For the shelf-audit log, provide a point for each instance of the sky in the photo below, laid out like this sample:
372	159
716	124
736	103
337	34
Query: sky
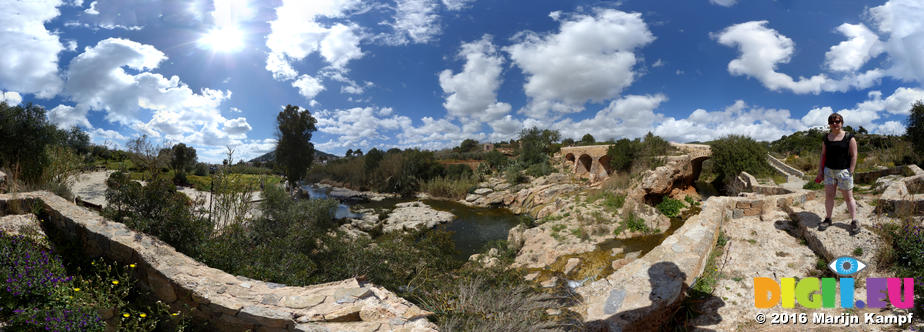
430	73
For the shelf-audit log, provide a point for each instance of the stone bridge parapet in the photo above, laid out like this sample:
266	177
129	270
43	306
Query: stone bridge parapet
591	161
229	303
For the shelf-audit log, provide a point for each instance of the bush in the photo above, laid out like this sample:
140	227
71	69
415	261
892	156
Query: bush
179	179
458	171
622	153
495	159
513	175
201	169
156	209
540	169
670	207
733	154
449	187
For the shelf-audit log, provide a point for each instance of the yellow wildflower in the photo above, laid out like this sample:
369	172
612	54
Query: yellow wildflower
143	315
131	265
125	315
77	289
115	282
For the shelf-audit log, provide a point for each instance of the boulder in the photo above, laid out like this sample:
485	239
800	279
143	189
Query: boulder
483	191
414	216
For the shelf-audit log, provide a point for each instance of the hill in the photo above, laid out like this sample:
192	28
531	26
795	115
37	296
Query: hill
271	156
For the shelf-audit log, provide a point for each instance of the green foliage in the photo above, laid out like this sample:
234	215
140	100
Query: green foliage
294	151
540	169
915	128
459	171
631	222
567	142
811	185
156	209
202	169
670	207
622	153
514	175
800	143
495	159
467	145
733	154
449	187
61	170
372	159
707	282
25	132
183	158
535	145
587	139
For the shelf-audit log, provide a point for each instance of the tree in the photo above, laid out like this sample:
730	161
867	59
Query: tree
588	139
372	160
915	130
349	153
567	142
468	145
358	153
733	154
862	131
622	153
24	133
294	151
183	157
535	144
146	155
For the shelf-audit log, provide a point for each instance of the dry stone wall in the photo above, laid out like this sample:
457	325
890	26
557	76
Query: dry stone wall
229	303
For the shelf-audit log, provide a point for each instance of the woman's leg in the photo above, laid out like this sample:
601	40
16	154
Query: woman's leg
830	191
851	204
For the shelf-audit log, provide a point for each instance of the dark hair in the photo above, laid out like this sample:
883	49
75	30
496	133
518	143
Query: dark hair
834	116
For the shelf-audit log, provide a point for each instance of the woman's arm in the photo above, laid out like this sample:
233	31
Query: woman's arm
853	154
821	165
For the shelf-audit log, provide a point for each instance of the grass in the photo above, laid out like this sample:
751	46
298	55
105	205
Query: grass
448	187
632	223
712	273
858	251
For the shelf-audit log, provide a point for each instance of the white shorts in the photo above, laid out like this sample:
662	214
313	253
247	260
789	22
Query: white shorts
839	177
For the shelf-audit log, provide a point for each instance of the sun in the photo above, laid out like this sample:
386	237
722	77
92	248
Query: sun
227	39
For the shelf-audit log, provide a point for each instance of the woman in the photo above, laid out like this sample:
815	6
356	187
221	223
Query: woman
838	161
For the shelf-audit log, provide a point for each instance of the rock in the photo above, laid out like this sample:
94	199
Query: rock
483	191
501	186
884	182
414	216
571	265
471	198
531	276
549	283
515	237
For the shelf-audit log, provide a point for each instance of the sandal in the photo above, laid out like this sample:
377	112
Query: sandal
824	224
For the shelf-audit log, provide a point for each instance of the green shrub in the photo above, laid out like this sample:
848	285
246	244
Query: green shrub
622	153
540	169
811	185
733	154
448	187
458	171
201	169
156	209
513	175
670	207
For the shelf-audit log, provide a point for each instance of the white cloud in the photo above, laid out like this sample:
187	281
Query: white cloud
762	49
92	10
433	134
308	86
557	81
868	113
657	64
296	33
901	21
360	125
892	128
110	138
65	116
759	123
850	55
415	19
30	60
456	4
630	116
97	81
472	93
237	126
724	3
11	98
234	109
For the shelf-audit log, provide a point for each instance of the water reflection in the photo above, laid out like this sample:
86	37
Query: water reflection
343	210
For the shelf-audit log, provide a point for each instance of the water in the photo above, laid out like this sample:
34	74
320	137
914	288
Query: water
343	210
472	229
475	227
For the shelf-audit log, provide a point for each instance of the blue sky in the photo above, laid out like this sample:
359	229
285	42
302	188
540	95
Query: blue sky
430	73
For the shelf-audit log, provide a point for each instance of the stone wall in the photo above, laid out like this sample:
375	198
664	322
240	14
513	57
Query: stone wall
229	303
783	167
644	293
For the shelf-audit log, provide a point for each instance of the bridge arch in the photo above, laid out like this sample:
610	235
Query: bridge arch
584	164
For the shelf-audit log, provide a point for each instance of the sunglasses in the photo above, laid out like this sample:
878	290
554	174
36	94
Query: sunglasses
833	122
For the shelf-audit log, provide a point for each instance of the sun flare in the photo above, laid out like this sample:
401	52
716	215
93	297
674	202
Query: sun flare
224	39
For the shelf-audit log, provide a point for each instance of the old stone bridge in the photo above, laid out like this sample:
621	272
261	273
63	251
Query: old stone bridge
592	162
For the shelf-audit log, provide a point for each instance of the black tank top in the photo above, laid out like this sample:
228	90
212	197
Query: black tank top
838	152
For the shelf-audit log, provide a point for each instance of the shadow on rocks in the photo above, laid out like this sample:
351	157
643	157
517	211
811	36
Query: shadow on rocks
674	305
